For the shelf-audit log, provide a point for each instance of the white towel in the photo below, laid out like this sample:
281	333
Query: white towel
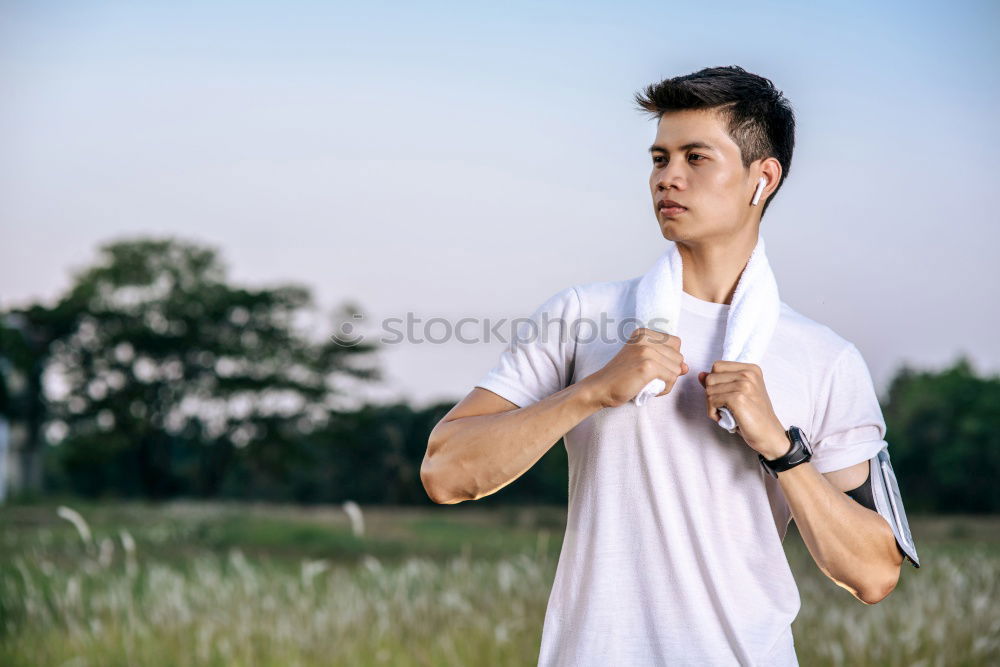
753	314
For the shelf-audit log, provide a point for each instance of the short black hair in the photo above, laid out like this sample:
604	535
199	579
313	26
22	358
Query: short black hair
757	115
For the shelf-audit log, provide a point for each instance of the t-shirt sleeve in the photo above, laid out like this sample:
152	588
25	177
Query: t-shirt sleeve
848	425
539	359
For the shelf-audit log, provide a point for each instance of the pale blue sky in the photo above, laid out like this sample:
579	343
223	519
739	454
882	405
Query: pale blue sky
458	160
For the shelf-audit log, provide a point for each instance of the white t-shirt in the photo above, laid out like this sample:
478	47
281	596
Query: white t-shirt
672	552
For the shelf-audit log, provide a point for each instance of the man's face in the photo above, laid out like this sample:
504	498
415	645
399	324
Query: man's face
697	165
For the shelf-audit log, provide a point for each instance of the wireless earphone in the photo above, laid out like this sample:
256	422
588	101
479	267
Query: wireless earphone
760	188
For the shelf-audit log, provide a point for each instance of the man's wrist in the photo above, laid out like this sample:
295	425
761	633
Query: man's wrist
585	392
781	446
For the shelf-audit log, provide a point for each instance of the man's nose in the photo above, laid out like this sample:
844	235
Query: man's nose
671	175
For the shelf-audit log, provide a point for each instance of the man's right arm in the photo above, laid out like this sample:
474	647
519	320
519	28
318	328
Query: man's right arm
486	442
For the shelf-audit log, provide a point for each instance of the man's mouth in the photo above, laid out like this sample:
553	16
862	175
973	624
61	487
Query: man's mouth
670	208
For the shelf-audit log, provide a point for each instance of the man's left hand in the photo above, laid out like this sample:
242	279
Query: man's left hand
740	388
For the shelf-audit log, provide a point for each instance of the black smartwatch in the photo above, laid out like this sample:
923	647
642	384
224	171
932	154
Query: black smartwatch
800	452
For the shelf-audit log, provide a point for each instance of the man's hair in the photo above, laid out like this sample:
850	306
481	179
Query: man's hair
758	117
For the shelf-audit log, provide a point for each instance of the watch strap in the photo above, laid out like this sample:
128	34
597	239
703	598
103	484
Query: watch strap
798	454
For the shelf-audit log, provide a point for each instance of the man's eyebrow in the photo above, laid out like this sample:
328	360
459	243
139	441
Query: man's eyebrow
693	144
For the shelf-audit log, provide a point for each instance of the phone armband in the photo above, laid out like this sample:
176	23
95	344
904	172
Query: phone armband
880	493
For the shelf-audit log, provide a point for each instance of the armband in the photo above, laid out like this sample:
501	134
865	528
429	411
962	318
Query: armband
863	494
880	493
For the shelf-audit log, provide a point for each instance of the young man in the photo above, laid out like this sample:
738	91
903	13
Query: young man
672	552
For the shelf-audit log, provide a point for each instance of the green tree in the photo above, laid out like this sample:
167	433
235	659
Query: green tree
27	337
170	372
944	433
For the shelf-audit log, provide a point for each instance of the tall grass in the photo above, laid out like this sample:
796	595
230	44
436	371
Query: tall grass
84	603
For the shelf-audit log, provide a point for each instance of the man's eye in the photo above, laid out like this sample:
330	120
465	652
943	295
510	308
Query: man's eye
658	159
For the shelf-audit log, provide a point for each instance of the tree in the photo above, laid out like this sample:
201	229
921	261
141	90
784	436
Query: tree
26	340
946	447
168	371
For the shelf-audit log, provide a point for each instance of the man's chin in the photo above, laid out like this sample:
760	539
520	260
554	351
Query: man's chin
672	229
670	234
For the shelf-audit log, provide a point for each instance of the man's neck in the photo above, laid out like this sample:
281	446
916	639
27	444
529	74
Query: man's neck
712	270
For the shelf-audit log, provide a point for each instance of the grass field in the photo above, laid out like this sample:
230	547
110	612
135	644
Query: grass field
215	584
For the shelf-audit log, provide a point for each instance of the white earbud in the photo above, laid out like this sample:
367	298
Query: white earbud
760	188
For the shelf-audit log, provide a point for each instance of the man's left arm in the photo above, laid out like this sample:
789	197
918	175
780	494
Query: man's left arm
853	545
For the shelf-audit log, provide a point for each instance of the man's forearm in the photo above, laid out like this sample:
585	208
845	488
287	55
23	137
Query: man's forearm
851	544
472	457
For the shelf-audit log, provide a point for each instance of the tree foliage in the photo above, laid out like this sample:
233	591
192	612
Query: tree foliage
169	372
944	438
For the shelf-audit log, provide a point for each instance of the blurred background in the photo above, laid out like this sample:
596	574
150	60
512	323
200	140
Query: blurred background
211	215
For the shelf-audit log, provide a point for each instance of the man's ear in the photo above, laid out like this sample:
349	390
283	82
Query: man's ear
770	169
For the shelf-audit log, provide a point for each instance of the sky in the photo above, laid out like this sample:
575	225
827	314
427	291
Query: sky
467	159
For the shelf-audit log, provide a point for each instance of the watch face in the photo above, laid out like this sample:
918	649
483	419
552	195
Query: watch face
799	435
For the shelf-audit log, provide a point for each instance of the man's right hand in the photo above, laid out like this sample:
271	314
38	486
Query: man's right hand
648	354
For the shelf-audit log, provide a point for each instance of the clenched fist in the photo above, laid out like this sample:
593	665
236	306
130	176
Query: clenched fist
648	354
